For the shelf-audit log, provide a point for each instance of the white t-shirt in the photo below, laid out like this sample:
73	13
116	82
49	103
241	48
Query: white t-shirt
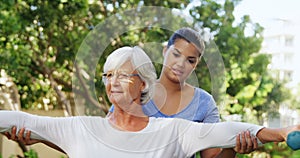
89	136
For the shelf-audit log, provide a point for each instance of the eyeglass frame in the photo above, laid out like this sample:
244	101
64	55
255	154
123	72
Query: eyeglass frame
127	76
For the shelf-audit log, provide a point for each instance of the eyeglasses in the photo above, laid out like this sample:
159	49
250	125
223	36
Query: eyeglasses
120	76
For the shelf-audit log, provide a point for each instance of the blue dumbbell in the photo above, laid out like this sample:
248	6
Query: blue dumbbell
293	140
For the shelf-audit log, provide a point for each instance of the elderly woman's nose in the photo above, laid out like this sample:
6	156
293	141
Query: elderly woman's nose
114	80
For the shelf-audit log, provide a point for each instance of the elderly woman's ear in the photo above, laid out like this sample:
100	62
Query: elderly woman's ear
143	86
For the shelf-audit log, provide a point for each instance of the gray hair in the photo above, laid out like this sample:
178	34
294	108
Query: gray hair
141	63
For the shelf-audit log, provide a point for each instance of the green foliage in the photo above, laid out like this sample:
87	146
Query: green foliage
31	154
34	49
250	89
295	100
39	41
274	150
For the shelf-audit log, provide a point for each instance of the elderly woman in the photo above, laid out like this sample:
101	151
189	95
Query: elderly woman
127	132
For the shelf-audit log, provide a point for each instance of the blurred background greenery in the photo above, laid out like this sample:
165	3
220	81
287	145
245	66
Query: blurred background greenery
39	40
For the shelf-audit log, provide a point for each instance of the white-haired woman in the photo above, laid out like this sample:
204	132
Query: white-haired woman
128	132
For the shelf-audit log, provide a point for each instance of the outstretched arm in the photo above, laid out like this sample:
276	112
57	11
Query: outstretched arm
277	134
223	134
24	137
42	128
245	144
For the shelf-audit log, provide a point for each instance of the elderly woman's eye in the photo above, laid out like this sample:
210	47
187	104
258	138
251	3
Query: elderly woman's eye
109	75
123	76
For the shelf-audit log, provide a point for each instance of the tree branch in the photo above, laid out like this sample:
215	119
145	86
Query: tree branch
86	91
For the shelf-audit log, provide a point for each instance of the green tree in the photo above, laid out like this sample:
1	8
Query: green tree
39	41
249	85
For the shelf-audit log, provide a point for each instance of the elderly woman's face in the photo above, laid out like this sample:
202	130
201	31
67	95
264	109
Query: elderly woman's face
123	85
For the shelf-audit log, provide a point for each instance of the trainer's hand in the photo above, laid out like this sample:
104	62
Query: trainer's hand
245	143
19	137
27	140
